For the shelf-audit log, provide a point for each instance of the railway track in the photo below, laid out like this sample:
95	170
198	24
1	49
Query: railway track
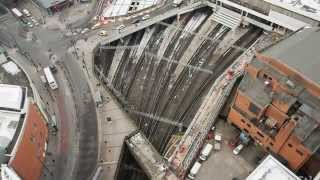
179	47
147	83
224	61
157	74
186	80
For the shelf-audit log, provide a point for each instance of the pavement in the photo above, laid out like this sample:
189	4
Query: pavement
113	123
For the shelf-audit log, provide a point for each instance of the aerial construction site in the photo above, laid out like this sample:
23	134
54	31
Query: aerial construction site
178	77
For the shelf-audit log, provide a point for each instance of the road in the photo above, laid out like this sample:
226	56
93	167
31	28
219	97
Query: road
74	150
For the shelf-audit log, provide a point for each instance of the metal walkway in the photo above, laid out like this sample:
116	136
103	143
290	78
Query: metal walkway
227	18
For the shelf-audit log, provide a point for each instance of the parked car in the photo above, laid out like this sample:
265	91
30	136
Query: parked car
238	149
145	17
84	30
30	25
26	12
194	170
34	21
43	79
24	21
218	137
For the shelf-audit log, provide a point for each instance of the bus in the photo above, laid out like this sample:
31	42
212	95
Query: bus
17	13
50	78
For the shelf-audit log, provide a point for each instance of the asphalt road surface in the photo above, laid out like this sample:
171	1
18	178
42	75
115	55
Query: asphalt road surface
75	153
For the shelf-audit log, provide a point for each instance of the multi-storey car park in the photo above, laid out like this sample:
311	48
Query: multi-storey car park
174	75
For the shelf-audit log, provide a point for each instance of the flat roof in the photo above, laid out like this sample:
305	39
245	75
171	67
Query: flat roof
298	51
7	173
11	96
307	8
271	169
8	126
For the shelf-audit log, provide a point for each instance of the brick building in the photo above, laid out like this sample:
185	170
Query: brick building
278	100
23	134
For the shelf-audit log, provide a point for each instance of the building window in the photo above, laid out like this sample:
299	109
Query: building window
246	130
249	125
32	139
299	152
265	76
254	109
242	121
290	145
271	144
260	134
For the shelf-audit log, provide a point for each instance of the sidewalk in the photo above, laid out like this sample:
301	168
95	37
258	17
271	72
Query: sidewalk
113	123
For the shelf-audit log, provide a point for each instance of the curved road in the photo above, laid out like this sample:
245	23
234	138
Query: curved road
75	148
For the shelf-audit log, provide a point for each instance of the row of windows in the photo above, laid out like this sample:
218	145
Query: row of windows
262	136
249	126
297	150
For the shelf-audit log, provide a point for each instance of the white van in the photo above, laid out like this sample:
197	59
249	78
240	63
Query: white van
194	170
206	152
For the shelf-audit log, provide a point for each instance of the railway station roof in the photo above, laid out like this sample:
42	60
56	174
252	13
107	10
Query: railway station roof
298	51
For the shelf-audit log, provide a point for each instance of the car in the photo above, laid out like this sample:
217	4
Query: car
43	79
24	21
26	12
30	25
194	170
218	137
145	17
103	33
238	149
34	21
84	30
